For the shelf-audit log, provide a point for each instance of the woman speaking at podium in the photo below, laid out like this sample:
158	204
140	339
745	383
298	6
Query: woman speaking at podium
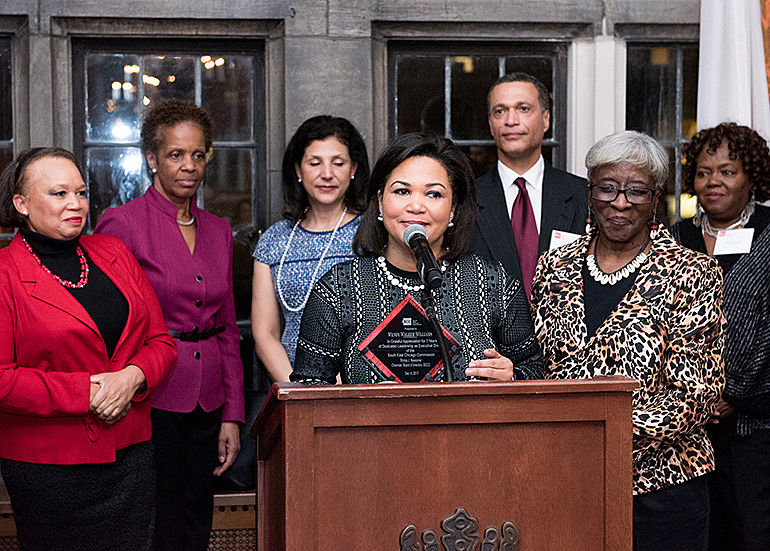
359	310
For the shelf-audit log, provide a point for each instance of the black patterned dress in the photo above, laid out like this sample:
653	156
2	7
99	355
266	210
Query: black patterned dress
477	302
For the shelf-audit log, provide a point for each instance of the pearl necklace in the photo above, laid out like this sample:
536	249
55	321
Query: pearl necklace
611	279
68	284
747	212
315	270
190	223
396	281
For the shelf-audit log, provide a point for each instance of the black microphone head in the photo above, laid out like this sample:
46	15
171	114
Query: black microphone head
413	230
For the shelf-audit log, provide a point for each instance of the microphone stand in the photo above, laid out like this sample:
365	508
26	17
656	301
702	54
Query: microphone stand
430	311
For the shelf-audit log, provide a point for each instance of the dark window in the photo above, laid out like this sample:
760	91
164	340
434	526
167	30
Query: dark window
661	100
115	80
6	115
443	89
114	83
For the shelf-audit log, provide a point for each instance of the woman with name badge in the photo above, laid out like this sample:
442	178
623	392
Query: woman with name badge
728	168
627	300
364	309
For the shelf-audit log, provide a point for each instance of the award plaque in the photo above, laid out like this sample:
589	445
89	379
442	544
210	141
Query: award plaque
403	348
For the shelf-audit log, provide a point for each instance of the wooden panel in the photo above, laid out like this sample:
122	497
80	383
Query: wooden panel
385	478
440	410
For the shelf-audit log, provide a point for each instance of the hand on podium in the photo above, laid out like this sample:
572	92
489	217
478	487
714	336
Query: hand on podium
494	368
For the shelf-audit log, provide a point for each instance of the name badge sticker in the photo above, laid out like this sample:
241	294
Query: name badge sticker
733	241
560	237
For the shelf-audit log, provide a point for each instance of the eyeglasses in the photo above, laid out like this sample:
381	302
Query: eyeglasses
634	195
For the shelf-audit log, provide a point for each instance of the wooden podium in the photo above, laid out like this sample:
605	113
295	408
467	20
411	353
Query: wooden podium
350	467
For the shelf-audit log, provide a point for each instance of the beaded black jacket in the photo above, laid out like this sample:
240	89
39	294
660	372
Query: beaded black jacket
747	307
477	301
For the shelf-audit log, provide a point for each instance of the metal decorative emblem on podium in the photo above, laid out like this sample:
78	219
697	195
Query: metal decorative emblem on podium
402	347
461	533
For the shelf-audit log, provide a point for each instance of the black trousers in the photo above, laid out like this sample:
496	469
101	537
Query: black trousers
185	458
674	518
89	507
740	490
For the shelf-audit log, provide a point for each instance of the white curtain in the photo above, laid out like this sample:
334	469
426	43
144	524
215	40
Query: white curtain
732	83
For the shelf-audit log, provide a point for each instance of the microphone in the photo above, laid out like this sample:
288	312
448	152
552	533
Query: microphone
416	237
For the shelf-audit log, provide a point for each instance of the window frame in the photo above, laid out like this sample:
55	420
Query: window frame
679	141
15	29
142	46
557	50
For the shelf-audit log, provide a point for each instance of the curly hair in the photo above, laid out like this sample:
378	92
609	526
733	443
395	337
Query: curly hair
13	178
170	112
743	144
321	127
372	238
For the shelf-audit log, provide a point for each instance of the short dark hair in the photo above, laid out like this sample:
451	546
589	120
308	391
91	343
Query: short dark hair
170	112
321	127
371	237
13	178
543	97
743	144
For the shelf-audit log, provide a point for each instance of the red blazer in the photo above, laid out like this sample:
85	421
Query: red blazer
49	347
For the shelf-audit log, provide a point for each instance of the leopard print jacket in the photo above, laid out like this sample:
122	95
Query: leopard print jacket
667	332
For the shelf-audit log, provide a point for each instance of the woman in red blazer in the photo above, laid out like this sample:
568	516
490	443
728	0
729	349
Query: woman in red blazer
82	345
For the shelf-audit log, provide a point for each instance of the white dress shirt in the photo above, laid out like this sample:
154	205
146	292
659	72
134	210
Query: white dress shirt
534	178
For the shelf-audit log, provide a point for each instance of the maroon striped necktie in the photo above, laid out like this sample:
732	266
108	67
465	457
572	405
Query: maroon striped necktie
525	232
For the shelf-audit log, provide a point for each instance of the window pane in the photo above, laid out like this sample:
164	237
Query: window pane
471	78
227	188
115	177
169	76
689	91
6	109
651	91
482	157
420	94
113	101
6	156
227	96
667	204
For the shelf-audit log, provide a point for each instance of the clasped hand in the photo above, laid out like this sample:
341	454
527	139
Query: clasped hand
111	393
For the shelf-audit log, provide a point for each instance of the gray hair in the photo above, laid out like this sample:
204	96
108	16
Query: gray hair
633	147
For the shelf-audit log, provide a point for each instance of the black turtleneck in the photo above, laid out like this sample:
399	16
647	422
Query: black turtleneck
100	298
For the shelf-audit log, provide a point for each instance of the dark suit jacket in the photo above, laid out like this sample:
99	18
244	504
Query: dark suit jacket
564	207
50	346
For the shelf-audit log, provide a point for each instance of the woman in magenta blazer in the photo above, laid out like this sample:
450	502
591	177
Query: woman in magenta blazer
186	253
82	345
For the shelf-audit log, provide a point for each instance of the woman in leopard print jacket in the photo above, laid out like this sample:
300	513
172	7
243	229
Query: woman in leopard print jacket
627	300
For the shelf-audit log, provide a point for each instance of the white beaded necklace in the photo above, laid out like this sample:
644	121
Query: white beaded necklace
746	214
396	281
600	276
315	270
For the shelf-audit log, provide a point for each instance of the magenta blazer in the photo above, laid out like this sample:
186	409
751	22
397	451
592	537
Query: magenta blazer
194	290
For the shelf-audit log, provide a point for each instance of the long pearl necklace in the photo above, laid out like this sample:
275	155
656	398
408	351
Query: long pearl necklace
315	270
397	281
82	281
747	213
611	279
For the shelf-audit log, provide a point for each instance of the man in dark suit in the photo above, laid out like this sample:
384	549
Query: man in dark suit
525	205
